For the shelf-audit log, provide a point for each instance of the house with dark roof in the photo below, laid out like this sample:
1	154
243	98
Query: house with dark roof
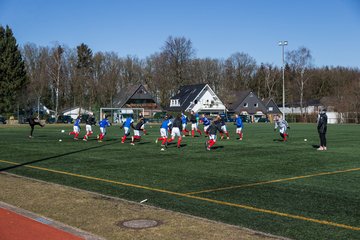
137	96
271	108
198	98
247	103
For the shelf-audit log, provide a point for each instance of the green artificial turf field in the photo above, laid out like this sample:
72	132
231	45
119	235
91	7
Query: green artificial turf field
283	188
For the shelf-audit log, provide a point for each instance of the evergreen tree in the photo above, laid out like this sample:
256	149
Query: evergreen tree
84	69
12	71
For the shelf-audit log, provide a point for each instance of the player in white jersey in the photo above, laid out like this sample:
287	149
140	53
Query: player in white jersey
282	125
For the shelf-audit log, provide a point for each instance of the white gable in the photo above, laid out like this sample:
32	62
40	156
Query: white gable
207	101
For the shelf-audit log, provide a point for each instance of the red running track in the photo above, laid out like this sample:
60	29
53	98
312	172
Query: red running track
14	226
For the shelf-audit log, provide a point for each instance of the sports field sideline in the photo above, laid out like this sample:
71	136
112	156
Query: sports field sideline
283	188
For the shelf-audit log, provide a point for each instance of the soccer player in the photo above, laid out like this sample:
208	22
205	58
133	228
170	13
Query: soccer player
176	130
212	130
165	126
127	125
32	122
223	128
76	128
283	126
239	126
206	122
103	124
197	119
140	116
137	130
194	121
89	122
184	120
322	128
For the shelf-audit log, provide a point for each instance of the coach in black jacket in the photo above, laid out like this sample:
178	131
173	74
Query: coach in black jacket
322	128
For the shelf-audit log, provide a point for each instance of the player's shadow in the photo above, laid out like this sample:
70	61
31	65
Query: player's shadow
315	146
278	140
142	143
53	157
217	147
110	140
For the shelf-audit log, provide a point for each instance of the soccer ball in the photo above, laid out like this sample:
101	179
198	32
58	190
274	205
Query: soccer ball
162	149
63	131
60	140
305	140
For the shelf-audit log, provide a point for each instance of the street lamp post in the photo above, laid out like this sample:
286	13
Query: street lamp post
283	44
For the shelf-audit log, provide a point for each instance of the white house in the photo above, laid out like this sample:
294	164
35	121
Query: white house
197	98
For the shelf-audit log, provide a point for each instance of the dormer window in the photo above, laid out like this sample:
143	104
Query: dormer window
174	103
256	104
246	104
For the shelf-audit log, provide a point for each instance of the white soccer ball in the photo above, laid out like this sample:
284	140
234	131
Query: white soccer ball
162	149
305	140
63	131
60	140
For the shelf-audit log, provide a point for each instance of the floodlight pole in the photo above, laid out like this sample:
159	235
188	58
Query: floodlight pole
283	44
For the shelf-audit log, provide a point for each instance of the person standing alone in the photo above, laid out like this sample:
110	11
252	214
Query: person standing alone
322	128
32	122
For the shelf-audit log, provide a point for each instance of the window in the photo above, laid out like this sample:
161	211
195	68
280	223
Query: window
245	104
271	109
256	104
174	102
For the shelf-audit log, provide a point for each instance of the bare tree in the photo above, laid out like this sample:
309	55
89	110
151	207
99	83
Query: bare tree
300	62
178	53
112	80
54	67
271	78
240	68
160	83
35	63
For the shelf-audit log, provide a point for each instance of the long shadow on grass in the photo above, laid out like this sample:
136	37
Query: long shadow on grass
60	155
217	147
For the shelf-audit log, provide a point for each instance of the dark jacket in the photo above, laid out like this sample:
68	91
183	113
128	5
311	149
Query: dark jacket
91	120
322	123
139	125
193	118
33	121
214	127
177	123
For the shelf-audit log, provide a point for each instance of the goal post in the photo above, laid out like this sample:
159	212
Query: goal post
118	115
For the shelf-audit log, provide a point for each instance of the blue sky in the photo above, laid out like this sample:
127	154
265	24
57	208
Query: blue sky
217	29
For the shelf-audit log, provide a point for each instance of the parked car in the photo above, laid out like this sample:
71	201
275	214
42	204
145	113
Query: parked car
51	120
264	120
65	119
2	120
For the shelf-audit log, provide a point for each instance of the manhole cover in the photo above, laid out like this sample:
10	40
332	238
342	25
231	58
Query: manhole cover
139	223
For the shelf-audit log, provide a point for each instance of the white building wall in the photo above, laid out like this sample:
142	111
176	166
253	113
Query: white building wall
205	103
333	117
